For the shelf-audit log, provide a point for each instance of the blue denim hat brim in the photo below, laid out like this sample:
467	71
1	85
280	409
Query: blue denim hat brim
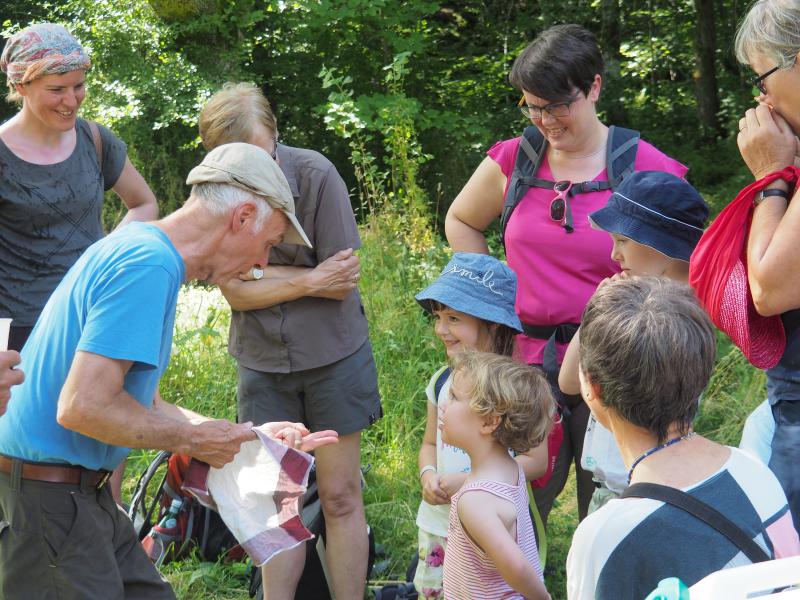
444	294
488	298
672	239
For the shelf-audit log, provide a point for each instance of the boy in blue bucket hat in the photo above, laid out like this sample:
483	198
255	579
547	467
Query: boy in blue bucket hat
655	220
472	304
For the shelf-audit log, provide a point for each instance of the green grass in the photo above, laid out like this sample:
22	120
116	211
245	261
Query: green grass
401	254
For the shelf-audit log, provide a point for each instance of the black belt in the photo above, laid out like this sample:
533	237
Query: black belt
563	333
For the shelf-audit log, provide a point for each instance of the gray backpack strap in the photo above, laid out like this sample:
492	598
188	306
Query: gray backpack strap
530	151
530	155
98	142
621	156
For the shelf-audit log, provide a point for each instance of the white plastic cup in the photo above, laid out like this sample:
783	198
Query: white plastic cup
5	326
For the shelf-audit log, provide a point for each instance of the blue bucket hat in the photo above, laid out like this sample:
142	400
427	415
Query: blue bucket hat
478	285
656	209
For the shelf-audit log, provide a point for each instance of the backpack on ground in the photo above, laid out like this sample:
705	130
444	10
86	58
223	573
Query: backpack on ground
197	526
620	157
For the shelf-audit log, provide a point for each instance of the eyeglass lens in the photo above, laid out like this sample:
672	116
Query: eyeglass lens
557	209
560	109
759	81
561	186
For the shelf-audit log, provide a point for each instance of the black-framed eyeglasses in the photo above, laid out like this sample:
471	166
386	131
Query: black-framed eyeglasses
556	109
558	207
758	81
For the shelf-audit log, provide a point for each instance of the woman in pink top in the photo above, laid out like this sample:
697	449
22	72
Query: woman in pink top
558	263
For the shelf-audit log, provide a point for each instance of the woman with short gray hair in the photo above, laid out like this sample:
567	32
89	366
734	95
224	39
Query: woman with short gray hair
768	40
646	354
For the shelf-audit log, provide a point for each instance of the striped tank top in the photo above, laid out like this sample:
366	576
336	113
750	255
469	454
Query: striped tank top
468	572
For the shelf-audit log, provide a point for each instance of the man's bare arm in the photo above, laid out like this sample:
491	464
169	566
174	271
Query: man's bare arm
94	403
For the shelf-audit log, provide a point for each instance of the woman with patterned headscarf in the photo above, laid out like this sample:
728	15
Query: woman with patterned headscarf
54	169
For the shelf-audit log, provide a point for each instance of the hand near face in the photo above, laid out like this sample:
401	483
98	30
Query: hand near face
766	141
615	277
451	483
9	376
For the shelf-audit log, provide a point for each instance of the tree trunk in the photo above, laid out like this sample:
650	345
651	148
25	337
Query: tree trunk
705	78
610	41
610	35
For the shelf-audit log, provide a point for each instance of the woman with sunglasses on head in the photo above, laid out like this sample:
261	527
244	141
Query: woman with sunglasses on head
55	168
549	243
768	40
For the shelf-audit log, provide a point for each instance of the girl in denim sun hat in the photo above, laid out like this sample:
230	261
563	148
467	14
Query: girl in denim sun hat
472	304
655	220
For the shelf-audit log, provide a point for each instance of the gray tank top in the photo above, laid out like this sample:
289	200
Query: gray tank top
50	214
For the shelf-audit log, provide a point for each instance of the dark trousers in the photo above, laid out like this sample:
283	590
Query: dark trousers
785	459
17	336
70	542
574	423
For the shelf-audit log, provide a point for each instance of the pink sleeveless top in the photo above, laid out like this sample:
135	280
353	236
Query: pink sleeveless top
468	572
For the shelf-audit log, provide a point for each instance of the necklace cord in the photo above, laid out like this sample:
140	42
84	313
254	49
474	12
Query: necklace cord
655	449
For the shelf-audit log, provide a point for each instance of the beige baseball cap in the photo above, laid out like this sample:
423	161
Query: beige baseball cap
251	168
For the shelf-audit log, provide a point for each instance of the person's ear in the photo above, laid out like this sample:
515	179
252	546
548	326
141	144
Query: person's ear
243	216
590	391
490	423
20	88
597	85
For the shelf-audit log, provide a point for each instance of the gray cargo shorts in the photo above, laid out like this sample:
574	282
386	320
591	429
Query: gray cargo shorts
342	396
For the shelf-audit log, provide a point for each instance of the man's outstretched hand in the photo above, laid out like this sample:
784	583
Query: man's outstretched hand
297	436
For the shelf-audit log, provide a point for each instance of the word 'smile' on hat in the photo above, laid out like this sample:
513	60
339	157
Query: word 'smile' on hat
478	285
251	168
656	209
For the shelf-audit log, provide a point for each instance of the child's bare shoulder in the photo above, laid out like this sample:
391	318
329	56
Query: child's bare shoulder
476	503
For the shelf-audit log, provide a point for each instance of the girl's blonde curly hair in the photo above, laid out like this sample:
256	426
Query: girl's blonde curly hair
517	393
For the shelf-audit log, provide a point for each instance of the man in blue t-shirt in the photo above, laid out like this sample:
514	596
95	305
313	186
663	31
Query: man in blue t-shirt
93	363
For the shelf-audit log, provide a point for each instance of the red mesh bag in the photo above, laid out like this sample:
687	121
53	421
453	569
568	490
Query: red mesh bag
718	274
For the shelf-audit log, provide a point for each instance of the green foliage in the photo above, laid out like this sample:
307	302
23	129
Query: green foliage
735	389
433	68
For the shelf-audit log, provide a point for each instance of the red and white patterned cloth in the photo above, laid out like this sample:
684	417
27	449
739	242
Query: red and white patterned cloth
258	495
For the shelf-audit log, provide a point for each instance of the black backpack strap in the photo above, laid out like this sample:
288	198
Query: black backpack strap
530	155
437	387
699	509
621	155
